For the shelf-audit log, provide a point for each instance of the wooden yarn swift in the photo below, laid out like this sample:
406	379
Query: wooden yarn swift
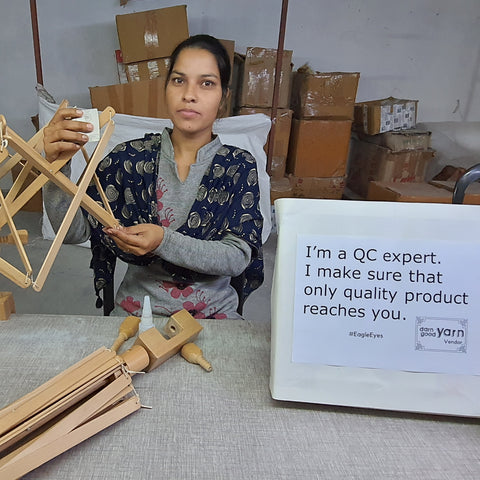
28	155
86	398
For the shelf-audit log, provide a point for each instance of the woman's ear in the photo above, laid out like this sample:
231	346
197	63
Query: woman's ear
222	108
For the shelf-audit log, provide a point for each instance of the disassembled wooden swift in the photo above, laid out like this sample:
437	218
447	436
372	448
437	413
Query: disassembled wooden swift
87	397
27	154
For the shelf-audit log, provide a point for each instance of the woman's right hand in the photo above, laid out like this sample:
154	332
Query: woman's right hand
64	136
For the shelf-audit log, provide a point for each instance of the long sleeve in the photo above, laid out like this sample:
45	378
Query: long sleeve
229	256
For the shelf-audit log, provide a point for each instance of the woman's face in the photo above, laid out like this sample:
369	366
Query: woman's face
194	92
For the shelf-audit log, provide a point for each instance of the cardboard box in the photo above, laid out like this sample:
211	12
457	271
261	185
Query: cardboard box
257	74
369	162
324	95
387	114
158	67
145	98
122	74
230	47
147	70
319	148
472	193
421	192
283	125
280	188
410	139
151	34
314	187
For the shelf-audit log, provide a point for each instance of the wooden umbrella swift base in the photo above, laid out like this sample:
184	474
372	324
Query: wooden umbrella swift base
85	398
88	397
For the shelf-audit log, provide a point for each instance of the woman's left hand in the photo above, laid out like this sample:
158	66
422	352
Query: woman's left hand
137	239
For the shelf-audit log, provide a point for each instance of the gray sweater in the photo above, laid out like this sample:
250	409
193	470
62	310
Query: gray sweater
211	297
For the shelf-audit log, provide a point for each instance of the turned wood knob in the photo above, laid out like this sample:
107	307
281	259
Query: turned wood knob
193	354
127	329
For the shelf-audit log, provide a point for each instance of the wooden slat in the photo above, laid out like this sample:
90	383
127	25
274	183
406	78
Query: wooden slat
16	466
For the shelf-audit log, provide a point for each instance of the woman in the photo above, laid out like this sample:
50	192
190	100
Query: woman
188	205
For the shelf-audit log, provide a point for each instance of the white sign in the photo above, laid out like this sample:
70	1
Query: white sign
377	305
394	304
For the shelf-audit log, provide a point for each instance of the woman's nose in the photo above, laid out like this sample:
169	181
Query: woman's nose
189	93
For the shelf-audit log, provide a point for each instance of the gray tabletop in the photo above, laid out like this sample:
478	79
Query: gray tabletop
224	424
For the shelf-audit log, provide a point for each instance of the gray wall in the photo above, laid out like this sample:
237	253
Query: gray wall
421	49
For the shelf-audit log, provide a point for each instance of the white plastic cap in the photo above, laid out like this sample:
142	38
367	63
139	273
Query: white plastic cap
146	322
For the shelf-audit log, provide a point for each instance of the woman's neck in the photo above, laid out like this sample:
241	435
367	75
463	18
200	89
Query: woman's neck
185	150
188	146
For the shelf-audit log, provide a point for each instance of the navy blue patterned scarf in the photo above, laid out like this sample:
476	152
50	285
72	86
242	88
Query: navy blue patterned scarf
227	201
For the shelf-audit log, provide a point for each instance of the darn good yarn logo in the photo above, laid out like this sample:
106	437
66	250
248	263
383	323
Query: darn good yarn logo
436	334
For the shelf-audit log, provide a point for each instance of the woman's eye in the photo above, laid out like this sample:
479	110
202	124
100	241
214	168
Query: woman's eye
177	80
208	83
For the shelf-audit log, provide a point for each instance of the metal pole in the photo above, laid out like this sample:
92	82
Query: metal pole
276	86
36	41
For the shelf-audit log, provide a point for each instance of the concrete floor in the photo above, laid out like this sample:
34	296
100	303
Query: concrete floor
68	288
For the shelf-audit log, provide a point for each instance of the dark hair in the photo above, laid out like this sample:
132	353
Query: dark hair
212	45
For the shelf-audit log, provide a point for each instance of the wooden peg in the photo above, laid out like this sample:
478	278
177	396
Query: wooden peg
7	305
192	353
128	329
10	239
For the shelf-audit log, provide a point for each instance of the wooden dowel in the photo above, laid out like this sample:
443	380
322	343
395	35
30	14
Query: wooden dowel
72	209
48	169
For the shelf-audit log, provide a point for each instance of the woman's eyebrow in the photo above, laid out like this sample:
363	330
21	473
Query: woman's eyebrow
203	75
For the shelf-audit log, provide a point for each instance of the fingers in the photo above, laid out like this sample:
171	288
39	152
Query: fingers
64	136
65	114
138	239
127	242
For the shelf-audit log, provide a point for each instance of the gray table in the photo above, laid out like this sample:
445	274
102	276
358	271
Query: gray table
224	424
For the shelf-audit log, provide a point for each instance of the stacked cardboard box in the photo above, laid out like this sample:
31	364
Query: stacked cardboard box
257	74
146	41
387	148
283	123
147	70
323	106
400	156
384	115
230	47
420	192
256	78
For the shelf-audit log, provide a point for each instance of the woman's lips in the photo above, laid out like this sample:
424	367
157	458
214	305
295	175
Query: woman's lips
188	113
